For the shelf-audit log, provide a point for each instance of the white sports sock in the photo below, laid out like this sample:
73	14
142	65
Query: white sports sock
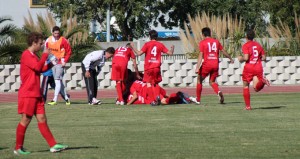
57	89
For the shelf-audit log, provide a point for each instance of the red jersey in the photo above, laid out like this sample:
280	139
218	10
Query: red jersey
153	51
255	52
122	55
30	69
137	86
210	48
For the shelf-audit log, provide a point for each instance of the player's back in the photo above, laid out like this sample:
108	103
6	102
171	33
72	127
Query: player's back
210	48
255	52
153	51
122	55
137	86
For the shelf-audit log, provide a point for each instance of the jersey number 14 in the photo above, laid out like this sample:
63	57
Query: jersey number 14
212	47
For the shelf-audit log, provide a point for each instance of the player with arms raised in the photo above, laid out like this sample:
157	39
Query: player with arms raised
152	75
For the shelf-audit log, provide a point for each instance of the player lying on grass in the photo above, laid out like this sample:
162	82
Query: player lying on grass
139	95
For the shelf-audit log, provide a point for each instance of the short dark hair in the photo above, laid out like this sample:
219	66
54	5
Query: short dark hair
250	34
110	50
206	31
55	28
34	37
153	34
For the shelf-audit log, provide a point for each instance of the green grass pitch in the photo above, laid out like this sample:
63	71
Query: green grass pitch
209	130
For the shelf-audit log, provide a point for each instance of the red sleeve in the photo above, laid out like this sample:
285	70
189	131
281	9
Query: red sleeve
164	49
132	55
201	47
245	49
65	44
144	48
30	61
46	67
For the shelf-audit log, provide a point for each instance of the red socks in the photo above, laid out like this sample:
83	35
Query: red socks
199	91
259	86
246	94
45	131
20	136
215	87
119	91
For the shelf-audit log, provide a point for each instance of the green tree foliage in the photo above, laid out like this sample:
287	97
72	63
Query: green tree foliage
283	10
133	17
11	45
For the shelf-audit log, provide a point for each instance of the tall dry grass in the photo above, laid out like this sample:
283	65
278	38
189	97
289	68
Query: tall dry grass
287	42
229	30
70	28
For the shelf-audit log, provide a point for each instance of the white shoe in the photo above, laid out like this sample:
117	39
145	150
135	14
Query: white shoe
193	99
96	101
117	102
121	103
221	97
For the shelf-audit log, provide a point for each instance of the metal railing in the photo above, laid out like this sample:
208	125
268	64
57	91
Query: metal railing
166	57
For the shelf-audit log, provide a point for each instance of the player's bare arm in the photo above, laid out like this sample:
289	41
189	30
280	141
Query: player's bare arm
243	58
139	53
263	58
227	55
171	51
136	69
134	98
200	57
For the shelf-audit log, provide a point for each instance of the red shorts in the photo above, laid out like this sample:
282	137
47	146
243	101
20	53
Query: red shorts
213	72
118	72
249	73
152	76
31	106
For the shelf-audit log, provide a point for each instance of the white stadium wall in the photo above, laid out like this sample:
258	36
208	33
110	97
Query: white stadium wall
176	73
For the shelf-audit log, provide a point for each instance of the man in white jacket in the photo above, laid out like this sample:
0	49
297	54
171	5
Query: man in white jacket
91	66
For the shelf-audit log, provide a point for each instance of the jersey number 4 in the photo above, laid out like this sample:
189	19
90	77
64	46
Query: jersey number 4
153	51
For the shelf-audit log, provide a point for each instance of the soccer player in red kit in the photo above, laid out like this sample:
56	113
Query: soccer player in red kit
209	53
30	100
254	54
152	75
119	69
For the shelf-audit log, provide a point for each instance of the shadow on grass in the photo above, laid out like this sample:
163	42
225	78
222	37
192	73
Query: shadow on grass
3	148
232	103
74	148
275	107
